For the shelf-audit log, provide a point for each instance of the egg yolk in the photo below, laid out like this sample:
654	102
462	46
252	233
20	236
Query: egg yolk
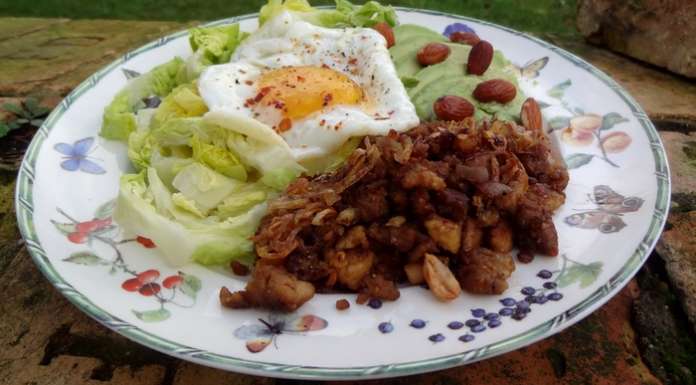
301	91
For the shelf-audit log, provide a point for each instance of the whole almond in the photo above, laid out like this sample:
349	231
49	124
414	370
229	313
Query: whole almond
464	38
450	107
433	53
480	58
495	90
385	30
531	115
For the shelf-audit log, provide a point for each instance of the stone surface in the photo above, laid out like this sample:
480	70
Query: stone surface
46	340
666	341
663	96
678	249
61	53
661	32
681	153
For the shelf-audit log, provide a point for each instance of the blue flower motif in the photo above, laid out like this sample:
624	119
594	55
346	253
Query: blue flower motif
457	27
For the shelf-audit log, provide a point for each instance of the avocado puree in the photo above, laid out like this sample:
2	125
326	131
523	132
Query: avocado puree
425	84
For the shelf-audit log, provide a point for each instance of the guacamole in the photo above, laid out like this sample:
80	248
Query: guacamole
426	84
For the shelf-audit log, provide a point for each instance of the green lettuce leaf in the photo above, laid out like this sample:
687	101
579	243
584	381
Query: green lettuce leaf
346	13
179	200
243	200
168	166
182	102
176	131
259	147
216	44
204	186
212	45
119	116
140	149
218	158
274	7
119	120
368	14
144	208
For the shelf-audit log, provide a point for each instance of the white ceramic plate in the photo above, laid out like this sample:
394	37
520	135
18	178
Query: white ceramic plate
615	209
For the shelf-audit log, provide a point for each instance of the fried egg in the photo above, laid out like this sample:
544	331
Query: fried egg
315	87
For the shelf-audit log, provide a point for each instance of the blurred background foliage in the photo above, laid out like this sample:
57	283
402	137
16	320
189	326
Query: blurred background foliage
535	16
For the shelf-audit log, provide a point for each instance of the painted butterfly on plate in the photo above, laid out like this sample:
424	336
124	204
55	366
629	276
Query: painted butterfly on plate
607	216
76	156
531	69
258	336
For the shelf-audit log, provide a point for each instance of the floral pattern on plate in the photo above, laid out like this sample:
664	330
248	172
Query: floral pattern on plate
101	229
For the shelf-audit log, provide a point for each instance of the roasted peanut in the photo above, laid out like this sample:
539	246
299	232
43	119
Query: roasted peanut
471	236
500	237
396	221
440	279
414	273
420	176
323	216
355	237
346	216
447	234
351	266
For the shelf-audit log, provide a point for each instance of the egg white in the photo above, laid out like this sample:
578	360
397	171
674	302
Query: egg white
286	41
